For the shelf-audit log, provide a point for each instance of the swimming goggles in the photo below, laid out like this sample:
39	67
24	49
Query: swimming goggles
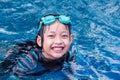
51	19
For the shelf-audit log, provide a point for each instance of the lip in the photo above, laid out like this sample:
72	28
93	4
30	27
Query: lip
57	49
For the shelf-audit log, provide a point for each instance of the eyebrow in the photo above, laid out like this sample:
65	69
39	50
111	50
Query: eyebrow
54	31
51	31
64	32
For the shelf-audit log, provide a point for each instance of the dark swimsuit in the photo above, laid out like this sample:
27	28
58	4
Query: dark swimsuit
39	65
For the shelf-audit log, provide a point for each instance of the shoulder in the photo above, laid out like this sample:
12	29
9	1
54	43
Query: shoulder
26	62
28	59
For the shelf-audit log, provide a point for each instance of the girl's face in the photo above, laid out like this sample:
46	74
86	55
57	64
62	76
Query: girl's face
57	40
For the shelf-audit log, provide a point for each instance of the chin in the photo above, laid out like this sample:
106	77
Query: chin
57	57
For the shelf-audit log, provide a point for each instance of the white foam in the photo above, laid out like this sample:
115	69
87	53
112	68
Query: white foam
6	32
5	0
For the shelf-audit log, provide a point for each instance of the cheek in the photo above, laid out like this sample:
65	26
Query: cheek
47	42
67	42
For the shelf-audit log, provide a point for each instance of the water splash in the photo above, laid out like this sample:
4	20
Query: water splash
3	31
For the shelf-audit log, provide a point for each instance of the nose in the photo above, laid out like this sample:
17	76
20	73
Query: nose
58	40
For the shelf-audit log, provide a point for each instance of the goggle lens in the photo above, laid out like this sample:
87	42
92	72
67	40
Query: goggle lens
51	19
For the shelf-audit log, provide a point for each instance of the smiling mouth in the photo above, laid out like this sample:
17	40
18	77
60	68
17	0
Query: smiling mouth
57	49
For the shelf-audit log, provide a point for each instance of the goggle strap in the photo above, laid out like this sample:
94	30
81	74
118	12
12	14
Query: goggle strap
40	26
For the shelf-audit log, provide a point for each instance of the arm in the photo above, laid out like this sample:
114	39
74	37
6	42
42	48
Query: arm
25	64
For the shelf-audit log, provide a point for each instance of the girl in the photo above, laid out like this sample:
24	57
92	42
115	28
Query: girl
51	48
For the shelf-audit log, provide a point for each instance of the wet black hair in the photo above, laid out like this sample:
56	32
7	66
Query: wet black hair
41	31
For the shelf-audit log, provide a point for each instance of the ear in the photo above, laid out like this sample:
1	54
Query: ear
39	40
71	38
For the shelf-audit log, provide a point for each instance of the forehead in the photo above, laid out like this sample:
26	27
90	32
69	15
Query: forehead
56	27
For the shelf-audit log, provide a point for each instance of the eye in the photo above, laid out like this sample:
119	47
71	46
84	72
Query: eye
51	36
64	36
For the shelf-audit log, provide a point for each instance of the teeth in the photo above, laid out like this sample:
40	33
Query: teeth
57	48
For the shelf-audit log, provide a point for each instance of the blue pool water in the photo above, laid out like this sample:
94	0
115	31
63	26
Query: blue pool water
96	26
